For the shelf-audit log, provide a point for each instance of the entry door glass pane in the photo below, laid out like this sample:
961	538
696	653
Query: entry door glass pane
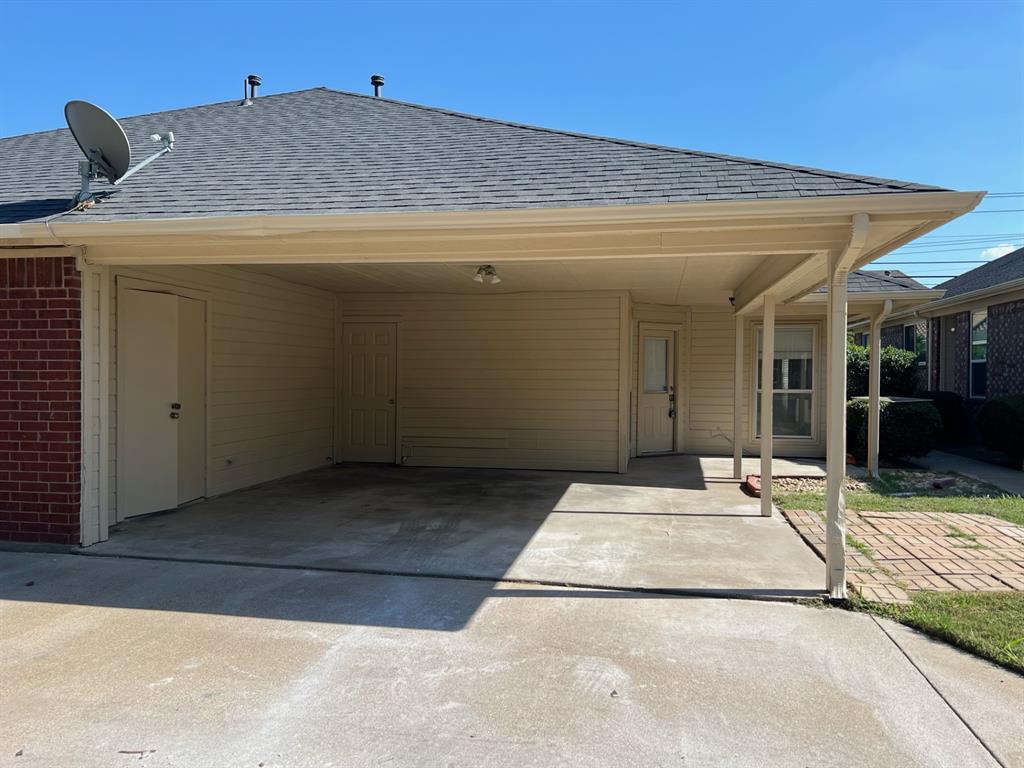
655	365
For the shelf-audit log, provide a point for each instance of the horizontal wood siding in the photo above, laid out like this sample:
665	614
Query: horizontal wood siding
518	381
271	377
711	377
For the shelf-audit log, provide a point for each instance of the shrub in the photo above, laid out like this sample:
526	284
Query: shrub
1001	424
856	371
905	429
898	375
953	412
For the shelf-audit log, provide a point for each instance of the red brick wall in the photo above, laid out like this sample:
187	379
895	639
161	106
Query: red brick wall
40	400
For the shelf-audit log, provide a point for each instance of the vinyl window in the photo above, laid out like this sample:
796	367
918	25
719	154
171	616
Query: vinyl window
793	382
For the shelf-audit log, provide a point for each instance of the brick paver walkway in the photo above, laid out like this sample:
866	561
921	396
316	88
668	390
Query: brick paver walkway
939	551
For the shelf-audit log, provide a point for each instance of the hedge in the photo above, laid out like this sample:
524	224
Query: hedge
906	429
1001	424
898	371
953	412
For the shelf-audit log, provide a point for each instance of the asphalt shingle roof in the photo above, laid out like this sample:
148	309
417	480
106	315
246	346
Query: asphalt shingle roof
1001	270
326	151
879	280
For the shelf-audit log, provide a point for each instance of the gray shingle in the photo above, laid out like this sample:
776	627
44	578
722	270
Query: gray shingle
879	280
1001	270
325	151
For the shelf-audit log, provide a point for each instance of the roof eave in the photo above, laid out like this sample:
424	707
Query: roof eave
81	230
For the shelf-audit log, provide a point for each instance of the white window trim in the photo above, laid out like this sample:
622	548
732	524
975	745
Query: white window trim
970	354
758	328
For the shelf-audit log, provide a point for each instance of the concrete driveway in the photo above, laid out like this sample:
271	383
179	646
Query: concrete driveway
109	662
673	522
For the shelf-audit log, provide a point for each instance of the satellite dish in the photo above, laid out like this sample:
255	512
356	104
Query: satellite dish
105	146
100	137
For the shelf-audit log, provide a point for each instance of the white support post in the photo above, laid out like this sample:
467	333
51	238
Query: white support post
737	404
835	524
874	386
767	402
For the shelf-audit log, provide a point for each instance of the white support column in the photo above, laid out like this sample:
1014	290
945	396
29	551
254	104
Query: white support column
767	401
737	404
874	386
835	524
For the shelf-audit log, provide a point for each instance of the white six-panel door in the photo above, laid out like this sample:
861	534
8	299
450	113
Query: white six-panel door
161	406
369	357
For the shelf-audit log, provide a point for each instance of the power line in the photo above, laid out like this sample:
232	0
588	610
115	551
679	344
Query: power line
905	263
1001	210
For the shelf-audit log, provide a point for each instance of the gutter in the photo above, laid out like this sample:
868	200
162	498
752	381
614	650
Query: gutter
84	227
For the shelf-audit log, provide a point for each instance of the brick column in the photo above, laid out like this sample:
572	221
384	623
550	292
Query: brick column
40	400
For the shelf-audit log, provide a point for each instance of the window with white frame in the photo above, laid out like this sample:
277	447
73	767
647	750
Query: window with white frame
793	382
979	353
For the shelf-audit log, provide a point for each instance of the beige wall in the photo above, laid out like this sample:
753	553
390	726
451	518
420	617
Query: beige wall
507	380
710	374
271	373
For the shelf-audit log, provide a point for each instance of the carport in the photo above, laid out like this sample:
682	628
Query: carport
673	523
471	296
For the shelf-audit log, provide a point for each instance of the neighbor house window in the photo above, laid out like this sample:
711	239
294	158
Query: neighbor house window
915	341
979	353
793	381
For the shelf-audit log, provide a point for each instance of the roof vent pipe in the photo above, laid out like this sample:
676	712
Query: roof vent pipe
376	81
254	83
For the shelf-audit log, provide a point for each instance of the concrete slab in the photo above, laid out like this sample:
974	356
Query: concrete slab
721	466
105	661
663	525
987	696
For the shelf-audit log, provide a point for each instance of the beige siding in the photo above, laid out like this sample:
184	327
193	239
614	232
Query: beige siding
519	381
710	375
710	381
271	373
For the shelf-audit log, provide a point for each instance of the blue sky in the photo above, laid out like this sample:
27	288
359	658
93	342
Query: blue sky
922	91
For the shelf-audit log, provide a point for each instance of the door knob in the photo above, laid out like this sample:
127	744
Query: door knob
175	406
175	415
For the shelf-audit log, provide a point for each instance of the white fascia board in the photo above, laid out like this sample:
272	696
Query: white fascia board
80	229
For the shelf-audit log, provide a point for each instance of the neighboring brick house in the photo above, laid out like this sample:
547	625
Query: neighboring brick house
975	332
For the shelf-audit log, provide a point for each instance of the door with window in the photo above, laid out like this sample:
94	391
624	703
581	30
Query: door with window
369	358
656	399
793	382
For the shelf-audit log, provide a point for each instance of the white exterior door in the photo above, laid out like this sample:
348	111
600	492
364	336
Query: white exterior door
656	398
161	401
369	357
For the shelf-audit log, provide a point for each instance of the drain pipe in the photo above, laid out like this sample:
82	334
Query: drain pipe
875	384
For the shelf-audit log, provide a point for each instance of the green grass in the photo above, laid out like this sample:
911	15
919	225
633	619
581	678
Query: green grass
988	624
880	498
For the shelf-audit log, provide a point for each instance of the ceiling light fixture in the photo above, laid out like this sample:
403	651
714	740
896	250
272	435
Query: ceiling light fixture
487	273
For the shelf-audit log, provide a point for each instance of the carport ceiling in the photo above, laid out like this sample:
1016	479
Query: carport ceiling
691	280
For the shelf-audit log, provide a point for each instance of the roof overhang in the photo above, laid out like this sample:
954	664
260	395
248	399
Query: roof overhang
788	240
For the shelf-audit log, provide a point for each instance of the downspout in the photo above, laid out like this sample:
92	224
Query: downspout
835	526
874	385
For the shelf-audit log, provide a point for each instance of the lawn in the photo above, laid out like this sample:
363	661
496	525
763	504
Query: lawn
989	624
911	492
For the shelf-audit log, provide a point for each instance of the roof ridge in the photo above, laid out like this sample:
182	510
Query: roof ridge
896	183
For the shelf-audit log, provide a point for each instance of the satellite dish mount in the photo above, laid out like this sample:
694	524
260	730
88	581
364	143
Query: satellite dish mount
105	146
